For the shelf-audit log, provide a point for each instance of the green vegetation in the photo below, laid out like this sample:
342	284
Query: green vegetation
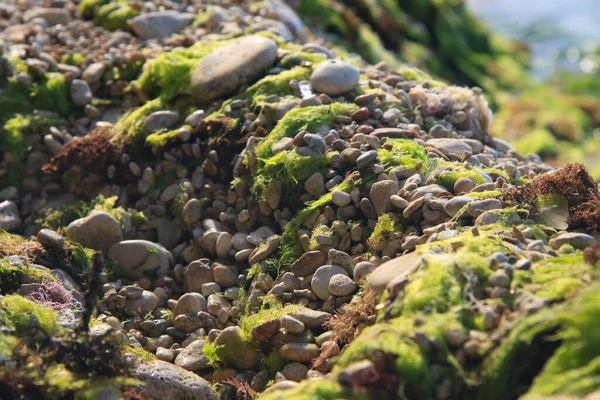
114	15
21	315
53	94
72	59
387	224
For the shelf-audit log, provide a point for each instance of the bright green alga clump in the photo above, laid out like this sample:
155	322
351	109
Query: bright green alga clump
401	153
115	15
539	141
52	94
130	125
271	309
21	315
311	390
73	59
387	224
87	8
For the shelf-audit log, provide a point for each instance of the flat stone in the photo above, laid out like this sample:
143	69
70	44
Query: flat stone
197	274
261	253
308	263
401	266
160	120
334	77
340	198
260	235
450	147
192	357
478	207
265	331
380	194
302	352
98	231
141	305
226	69
93	73
366	159
9	216
158	24
140	258
54	16
166	381
312	319
321	278
454	205
315	185
189	303
577	240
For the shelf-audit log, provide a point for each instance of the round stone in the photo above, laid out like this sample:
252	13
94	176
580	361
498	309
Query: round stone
341	285
189	303
334	77
322	277
98	231
140	258
340	198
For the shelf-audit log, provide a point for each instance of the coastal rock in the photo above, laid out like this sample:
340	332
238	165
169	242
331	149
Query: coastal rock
166	381
9	216
158	24
140	258
98	231
334	77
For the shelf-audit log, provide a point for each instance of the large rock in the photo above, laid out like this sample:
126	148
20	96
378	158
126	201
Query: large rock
98	231
226	69
166	381
158	24
397	268
9	216
140	258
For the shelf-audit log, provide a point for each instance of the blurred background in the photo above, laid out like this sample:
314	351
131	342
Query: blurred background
537	61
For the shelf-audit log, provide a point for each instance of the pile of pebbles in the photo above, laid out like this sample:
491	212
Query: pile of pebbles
199	262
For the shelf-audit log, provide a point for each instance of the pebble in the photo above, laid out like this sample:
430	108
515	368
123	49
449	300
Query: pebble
362	270
312	319
163	380
9	216
340	198
397	268
262	253
454	205
316	142
295	371
93	73
366	159
577	240
224	276
302	352
315	185
226	69
380	195
308	263
334	77
192	357
160	120
190	303
450	147
463	185
54	16
292	325
50	238
142	305
140	258
98	231
321	278
341	285
81	93
158	24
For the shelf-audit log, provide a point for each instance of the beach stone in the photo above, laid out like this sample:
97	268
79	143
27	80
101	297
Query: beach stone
81	93
292	325
195	118
366	159
226	69
308	263
192	357
344	260
295	371
166	381
191	211
478	207
93	73
315	142
189	303
197	274
223	245
160	120
260	235
98	231
397	268
302	352
158	24
321	278
340	198
334	77
140	258
312	319
463	185
265	331
284	143
9	216
380	194
261	253
141	305
341	285
454	205
450	147
315	185
54	16
50	238
224	275
577	240
362	270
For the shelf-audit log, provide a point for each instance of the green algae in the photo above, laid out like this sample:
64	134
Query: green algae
401	153
130	125
271	309
311	390
72	59
52	94
321	230
87	8
22	315
387	224
301	119
539	141
114	15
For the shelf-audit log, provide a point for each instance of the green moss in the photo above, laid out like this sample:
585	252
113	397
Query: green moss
22	315
127	72
448	178
160	139
210	351
130	125
271	309
15	99
297	58
321	230
401	153
115	15
559	277
486	194
387	224
87	8
72	59
53	94
311	390
301	119
142	353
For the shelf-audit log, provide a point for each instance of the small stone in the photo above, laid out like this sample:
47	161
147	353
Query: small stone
226	69
366	159
224	276
292	325
262	253
401	267
315	142
9	216
478	207
362	270
454	205
380	195
260	235
295	371
399	202
577	240
308	263
54	16
265	331
359	374
321	278
223	245
160	120
163	380
340	198
93	73
195	118
341	285
192	211
285	143
98	231
463	185
315	185
302	352
190	303
499	278
334	77
450	147
165	354
140	258
50	238
141	305
81	93
312	319
344	260
192	357
158	24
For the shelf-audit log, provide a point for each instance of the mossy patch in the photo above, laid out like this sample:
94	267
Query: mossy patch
130	125
23	315
387	224
72	59
87	8
115	15
401	153
53	94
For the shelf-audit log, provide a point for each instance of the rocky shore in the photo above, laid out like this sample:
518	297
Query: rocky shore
215	202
